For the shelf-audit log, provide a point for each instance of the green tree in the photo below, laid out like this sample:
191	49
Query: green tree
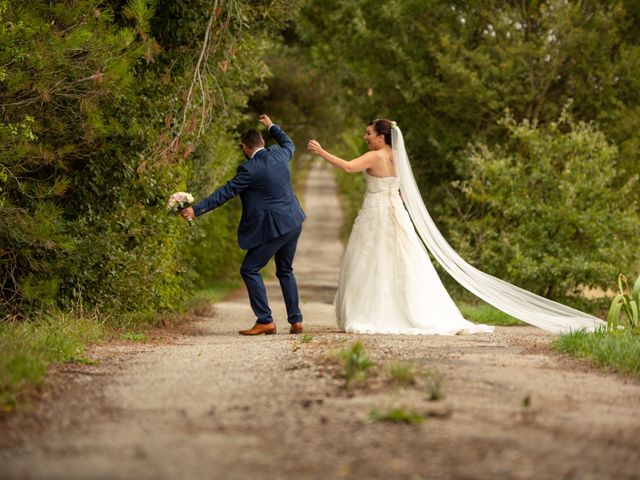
105	106
447	70
544	212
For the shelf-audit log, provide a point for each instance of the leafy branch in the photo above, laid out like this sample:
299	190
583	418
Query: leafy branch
199	99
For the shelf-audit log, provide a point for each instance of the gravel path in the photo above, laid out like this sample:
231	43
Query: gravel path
211	404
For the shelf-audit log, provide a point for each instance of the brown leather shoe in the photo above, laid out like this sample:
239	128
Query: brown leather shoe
296	327
260	328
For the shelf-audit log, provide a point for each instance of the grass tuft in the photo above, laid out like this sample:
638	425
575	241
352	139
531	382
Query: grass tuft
134	336
27	347
434	381
484	313
397	415
84	361
402	373
617	349
356	362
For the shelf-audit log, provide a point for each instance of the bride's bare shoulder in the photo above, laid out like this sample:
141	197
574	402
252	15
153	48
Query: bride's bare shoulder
371	154
370	158
376	156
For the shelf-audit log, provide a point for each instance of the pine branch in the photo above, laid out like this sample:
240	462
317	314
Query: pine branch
199	88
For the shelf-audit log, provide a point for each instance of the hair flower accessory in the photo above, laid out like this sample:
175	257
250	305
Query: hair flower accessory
394	124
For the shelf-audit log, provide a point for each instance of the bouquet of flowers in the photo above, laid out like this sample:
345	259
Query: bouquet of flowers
179	201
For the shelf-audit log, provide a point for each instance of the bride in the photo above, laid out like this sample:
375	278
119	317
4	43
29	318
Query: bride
387	283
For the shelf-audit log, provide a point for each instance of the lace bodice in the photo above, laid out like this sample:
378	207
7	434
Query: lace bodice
381	184
381	192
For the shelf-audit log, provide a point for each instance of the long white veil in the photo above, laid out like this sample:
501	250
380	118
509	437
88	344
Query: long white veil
517	302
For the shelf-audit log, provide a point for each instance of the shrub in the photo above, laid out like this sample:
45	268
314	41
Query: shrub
547	211
106	109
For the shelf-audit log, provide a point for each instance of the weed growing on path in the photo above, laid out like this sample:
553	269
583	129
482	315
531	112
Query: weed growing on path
84	361
134	337
356	362
306	338
528	413
397	415
402	373
434	380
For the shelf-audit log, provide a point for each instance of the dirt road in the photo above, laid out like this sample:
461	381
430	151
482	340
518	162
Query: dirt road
211	404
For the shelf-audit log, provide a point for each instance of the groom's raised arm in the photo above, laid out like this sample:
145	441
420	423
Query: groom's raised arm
225	193
283	139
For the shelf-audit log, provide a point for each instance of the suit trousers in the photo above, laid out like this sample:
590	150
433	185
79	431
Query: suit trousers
284	249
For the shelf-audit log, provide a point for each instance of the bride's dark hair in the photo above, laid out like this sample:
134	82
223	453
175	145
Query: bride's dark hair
382	126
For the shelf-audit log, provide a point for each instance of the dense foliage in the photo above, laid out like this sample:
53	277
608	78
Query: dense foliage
543	210
447	70
105	106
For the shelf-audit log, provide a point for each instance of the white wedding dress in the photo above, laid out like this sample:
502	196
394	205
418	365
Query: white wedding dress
387	283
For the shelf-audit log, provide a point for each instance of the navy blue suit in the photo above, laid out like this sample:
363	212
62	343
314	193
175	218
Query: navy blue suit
271	222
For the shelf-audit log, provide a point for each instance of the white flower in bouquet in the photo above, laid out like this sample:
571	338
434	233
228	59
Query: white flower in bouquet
179	201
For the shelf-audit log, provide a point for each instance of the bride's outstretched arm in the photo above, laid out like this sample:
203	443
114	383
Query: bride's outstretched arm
356	165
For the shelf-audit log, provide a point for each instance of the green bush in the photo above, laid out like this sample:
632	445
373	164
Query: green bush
108	107
547	210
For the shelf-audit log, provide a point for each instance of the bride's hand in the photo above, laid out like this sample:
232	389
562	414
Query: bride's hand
314	146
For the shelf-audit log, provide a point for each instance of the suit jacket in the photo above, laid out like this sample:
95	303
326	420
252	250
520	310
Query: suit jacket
269	206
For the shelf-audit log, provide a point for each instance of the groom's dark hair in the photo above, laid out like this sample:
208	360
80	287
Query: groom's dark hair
252	139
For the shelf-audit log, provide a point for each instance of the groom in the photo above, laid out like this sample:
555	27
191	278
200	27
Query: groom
270	225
